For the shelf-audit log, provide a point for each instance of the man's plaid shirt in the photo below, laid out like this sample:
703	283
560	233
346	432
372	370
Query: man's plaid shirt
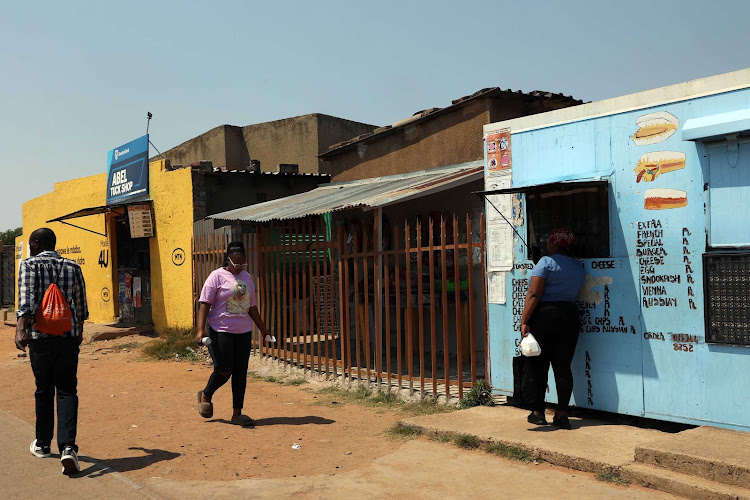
37	273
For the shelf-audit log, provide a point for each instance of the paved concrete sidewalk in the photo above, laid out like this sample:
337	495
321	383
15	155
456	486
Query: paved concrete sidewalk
708	452
24	476
591	446
703	463
417	470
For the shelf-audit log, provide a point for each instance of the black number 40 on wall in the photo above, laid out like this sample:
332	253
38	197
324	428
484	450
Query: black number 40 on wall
104	258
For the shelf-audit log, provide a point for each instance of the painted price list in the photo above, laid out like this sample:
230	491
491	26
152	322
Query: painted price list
141	223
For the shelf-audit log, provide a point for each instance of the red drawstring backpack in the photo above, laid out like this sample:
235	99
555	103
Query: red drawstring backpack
54	316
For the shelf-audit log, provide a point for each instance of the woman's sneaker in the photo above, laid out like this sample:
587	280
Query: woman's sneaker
536	419
562	423
39	451
69	459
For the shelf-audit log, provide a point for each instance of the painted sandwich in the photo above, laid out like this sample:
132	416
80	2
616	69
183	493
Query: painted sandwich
654	128
651	165
664	198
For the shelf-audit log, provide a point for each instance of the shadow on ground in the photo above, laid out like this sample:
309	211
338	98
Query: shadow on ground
574	423
587	417
102	467
307	420
310	419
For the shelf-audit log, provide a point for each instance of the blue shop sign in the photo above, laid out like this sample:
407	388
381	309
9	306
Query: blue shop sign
127	172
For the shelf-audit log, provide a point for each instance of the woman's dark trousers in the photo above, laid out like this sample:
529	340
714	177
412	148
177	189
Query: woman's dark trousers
555	325
230	353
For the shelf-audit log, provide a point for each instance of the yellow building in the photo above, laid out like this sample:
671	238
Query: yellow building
150	279
96	236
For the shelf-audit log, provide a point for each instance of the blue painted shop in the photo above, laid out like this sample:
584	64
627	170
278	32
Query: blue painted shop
656	186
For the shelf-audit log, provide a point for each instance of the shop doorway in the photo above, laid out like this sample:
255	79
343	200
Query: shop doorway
133	275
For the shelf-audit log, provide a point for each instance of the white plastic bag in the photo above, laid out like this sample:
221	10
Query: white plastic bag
530	347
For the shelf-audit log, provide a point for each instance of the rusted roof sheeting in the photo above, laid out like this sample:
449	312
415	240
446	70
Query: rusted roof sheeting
370	193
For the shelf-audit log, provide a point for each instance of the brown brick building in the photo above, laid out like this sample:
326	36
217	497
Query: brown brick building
435	137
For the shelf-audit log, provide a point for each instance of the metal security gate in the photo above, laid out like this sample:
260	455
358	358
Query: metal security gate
7	275
410	316
416	310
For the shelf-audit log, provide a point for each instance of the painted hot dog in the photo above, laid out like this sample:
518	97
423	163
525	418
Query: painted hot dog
651	165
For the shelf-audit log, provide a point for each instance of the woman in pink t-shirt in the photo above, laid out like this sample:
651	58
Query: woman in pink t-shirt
228	304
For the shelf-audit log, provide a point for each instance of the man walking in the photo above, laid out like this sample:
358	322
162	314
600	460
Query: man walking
53	349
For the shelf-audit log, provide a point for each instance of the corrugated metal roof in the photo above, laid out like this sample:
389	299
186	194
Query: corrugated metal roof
371	193
217	170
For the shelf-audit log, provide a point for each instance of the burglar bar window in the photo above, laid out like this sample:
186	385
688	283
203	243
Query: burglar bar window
584	209
727	295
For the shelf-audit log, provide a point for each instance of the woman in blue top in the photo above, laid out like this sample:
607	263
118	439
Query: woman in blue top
551	314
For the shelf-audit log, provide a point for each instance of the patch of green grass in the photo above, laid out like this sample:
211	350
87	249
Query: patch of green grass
469	442
384	400
262	378
331	389
360	394
479	395
336	395
427	406
403	432
510	452
609	476
466	441
128	346
176	344
440	437
296	381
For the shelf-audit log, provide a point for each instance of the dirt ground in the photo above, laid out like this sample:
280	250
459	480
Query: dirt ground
140	418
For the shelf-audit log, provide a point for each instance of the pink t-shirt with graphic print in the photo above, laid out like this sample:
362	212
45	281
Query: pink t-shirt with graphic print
231	298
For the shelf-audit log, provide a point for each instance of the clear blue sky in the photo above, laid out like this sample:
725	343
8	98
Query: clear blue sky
78	77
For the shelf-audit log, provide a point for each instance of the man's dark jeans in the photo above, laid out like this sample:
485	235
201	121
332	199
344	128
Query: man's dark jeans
54	361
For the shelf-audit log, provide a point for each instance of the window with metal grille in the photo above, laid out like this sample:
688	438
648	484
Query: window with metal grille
584	208
726	286
261	197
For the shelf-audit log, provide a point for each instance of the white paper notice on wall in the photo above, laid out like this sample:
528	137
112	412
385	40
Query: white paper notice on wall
497	203
499	246
496	288
499	232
